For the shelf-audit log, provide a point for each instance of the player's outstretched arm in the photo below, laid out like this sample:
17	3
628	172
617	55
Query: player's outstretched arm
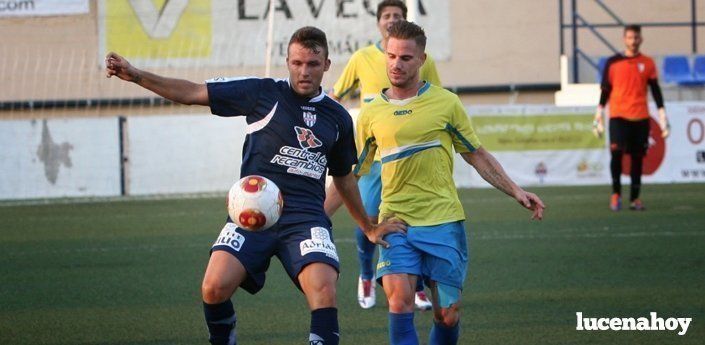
490	170
177	90
350	194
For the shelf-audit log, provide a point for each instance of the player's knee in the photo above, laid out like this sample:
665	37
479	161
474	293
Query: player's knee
321	295
401	304
447	317
214	291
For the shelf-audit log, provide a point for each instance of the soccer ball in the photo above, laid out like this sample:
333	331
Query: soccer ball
255	203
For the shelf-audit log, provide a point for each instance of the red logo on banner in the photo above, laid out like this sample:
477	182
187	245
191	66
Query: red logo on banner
654	155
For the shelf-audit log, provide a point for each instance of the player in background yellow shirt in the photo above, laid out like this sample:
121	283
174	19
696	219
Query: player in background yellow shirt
416	127
366	70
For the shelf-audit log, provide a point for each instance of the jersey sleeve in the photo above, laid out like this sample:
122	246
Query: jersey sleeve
348	80
653	72
429	72
343	154
366	144
461	130
233	96
606	84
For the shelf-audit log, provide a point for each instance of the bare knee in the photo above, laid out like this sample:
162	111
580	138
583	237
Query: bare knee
215	291
401	304
447	317
322	295
318	284
400	289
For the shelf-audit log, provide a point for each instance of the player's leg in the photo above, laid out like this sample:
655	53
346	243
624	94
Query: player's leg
400	289
318	282
309	256
444	264
617	137
639	143
223	275
370	186
446	314
398	268
238	258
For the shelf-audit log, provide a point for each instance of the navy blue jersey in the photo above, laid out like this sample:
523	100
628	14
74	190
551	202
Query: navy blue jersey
291	140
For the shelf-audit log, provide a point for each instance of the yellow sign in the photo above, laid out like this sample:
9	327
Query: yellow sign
159	29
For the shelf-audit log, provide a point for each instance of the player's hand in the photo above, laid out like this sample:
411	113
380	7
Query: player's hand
598	126
663	123
378	231
116	65
532	202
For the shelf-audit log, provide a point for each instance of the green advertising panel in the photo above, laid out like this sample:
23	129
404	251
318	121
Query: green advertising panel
536	132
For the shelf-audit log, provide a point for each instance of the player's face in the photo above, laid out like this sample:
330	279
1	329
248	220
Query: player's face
389	16
404	58
632	41
306	67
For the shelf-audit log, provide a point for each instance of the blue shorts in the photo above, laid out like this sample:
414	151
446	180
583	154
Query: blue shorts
370	186
438	253
295	245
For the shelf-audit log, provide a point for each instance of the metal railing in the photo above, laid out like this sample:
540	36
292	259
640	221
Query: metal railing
578	22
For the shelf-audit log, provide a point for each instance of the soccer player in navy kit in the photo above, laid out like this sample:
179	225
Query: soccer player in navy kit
295	132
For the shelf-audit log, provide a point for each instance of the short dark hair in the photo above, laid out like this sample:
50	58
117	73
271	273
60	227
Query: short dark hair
633	27
404	30
312	38
391	3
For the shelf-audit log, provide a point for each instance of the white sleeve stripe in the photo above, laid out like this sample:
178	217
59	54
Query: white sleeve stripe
256	126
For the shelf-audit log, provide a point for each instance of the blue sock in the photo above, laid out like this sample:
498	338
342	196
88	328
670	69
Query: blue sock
221	320
365	253
442	335
401	329
324	327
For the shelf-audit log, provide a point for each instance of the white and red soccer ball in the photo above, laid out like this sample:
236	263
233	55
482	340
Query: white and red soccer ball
254	203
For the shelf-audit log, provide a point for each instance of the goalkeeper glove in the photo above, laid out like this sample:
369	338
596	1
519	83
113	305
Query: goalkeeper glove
598	127
663	123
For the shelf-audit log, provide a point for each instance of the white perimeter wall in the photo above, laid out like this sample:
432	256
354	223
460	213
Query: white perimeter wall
202	153
184	154
59	158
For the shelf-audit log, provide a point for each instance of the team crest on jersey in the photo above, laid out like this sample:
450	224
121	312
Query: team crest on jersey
641	67
306	138
309	118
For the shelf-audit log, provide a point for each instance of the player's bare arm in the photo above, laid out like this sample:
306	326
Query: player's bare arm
489	168
333	200
177	90
350	194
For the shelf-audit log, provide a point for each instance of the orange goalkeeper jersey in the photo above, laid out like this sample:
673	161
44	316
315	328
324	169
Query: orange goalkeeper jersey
624	84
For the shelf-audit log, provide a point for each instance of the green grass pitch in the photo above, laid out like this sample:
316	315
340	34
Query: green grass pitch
129	272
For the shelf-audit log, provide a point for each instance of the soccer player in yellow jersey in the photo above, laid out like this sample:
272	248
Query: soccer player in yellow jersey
416	126
366	69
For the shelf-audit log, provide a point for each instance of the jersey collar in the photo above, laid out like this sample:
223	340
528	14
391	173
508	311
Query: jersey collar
378	44
426	85
318	98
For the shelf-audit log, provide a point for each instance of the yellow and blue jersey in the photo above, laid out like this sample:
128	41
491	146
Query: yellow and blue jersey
416	138
367	69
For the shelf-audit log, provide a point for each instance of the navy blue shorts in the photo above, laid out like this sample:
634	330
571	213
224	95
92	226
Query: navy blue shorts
295	245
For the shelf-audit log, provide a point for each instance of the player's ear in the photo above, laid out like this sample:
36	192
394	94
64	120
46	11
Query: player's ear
326	66
423	58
